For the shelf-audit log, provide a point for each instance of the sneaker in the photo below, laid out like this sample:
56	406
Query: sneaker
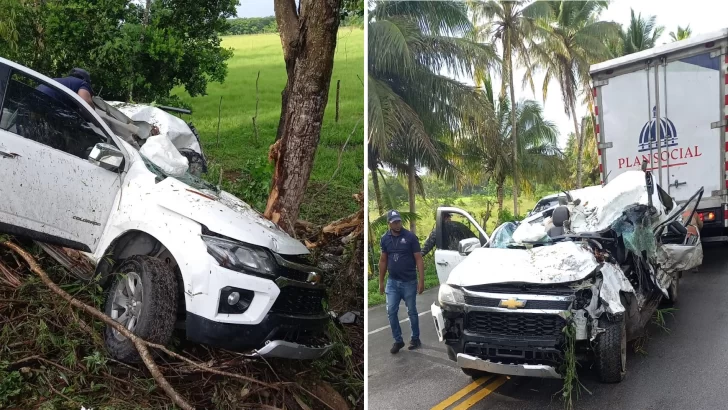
396	347
414	344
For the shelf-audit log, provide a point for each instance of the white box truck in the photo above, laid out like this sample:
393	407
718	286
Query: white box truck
678	92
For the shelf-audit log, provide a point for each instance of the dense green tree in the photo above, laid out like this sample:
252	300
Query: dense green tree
131	55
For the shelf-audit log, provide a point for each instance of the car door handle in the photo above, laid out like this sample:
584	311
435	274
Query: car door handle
8	154
442	263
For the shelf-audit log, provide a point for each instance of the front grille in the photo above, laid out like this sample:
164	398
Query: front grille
295	274
300	301
517	325
530	289
530	304
515	355
292	274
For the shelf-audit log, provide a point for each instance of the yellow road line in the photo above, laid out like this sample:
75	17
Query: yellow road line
462	393
482	393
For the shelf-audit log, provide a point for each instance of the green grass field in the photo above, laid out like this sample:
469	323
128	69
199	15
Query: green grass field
426	208
243	160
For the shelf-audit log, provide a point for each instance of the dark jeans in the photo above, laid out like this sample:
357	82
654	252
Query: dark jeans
396	291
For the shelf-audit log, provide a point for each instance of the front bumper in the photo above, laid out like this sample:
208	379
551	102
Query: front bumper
529	370
289	350
277	335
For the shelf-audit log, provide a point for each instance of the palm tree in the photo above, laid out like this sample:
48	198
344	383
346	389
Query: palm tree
590	160
641	34
510	23
487	154
573	38
411	103
682	33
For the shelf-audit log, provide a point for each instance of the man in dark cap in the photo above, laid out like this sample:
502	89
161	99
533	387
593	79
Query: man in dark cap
454	232
78	80
401	256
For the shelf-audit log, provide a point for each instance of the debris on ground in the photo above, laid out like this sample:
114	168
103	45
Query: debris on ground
52	352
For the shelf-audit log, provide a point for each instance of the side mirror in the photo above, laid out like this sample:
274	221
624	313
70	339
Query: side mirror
106	156
468	245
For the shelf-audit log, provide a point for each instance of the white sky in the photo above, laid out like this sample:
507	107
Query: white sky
704	16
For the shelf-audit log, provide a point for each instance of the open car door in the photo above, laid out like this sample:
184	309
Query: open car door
60	170
447	255
678	239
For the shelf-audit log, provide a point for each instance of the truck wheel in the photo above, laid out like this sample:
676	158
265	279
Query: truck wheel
611	350
475	374
143	298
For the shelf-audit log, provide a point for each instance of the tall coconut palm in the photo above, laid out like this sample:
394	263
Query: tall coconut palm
487	154
590	160
573	38
510	24
641	34
411	102
682	33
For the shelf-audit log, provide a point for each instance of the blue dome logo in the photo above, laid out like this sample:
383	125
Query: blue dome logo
668	133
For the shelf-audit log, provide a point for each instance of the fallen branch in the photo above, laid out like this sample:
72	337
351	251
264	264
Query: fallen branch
135	339
8	277
141	345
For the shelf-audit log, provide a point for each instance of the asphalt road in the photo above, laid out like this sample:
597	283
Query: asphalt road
686	368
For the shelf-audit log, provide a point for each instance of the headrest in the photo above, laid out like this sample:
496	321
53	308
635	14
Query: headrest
560	215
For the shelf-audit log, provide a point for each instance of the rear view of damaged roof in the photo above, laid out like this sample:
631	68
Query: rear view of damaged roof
660	51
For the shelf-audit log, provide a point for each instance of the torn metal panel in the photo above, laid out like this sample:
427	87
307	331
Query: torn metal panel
674	258
613	282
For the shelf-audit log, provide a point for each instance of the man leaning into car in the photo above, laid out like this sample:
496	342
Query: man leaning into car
401	256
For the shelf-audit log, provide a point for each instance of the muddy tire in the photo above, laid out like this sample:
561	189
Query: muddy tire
611	350
475	374
143	298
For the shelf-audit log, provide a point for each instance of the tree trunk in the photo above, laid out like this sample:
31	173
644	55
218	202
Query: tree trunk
514	130
377	191
309	42
411	186
373	162
580	147
147	7
500	195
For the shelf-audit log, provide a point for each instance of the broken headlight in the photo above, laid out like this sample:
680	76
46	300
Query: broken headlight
583	298
450	296
239	256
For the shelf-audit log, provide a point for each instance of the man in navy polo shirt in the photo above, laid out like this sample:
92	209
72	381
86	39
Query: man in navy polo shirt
402	257
78	80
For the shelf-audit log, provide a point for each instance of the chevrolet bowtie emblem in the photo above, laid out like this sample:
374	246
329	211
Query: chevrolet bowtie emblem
512	303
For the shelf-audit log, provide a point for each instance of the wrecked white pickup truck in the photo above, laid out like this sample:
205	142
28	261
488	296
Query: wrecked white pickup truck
176	251
600	264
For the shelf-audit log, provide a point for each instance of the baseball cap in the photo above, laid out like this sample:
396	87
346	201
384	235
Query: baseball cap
393	216
80	73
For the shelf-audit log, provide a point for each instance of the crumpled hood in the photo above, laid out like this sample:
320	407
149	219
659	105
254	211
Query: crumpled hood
559	263
228	216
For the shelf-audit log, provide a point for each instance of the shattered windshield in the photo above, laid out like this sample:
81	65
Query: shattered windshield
187	178
503	235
